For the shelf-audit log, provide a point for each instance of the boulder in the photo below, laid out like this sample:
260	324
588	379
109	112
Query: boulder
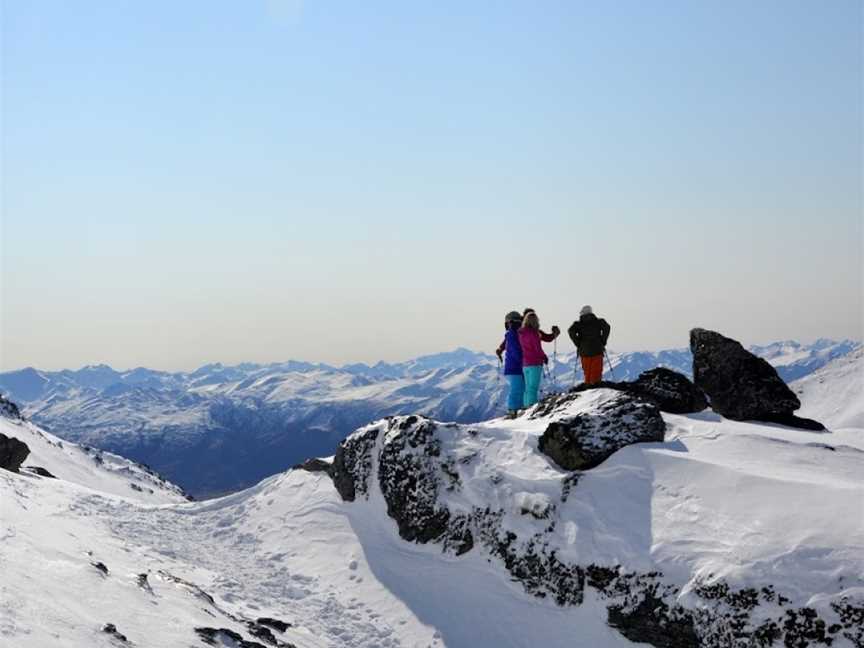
12	453
669	390
740	385
586	440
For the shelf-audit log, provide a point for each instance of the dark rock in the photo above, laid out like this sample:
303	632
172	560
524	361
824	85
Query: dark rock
353	462
111	629
586	440
263	633
220	637
13	452
9	409
851	620
144	583
409	481
652	621
740	385
101	567
276	624
39	470
669	390
314	465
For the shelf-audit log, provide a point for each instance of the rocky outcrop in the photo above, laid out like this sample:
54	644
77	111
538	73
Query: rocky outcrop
740	385
587	439
13	452
39	470
9	409
111	629
353	463
439	487
669	390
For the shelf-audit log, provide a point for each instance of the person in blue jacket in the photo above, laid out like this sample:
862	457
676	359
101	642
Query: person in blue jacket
512	363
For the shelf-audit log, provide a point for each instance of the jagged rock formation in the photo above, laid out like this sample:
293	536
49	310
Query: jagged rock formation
669	390
12	453
420	468
587	439
741	385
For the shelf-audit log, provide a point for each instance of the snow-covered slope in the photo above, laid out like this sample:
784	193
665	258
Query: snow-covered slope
221	428
835	393
723	530
88	467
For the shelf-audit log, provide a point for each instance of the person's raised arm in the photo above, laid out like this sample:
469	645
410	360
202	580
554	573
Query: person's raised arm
548	337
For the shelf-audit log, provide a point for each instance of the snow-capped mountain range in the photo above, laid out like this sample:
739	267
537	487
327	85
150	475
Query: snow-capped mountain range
720	534
221	428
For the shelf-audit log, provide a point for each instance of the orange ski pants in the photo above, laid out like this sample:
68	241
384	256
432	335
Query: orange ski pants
592	366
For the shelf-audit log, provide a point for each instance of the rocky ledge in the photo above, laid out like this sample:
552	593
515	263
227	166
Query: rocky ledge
428	474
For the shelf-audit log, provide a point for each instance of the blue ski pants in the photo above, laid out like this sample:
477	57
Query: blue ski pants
516	394
533	374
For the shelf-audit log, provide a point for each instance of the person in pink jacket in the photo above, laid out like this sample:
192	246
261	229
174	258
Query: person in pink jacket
533	358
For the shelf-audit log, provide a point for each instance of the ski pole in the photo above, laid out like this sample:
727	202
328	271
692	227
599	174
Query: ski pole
610	364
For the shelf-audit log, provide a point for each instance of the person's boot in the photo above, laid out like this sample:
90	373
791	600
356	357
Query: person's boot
512	414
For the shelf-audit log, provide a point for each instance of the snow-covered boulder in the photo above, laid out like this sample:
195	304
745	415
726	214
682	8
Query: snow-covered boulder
741	385
587	439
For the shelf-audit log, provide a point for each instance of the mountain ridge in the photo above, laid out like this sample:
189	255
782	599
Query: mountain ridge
220	428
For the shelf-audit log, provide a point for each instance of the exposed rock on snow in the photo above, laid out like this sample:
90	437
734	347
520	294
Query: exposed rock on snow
419	468
39	470
741	385
9	409
12	453
111	629
589	438
353	463
669	390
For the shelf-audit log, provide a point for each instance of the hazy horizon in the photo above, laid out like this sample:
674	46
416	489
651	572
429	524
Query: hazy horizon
565	348
200	182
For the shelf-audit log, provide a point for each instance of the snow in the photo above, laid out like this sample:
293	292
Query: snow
752	504
835	393
90	468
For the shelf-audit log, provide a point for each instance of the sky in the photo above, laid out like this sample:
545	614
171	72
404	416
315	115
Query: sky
335	181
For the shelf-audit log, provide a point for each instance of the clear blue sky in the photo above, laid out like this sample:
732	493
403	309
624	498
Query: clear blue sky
185	182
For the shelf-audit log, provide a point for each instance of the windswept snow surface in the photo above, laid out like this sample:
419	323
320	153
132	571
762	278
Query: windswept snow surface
834	394
751	504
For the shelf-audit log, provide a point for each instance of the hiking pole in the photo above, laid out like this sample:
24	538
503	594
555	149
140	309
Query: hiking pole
498	381
610	364
555	365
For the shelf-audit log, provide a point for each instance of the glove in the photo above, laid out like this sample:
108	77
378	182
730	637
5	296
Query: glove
556	331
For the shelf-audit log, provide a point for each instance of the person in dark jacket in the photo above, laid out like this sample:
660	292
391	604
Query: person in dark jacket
512	362
590	334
